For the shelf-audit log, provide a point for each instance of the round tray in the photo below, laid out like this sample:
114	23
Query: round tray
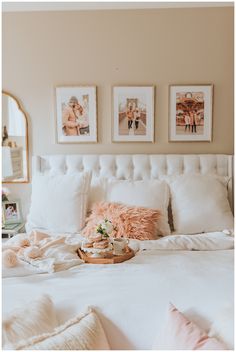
108	258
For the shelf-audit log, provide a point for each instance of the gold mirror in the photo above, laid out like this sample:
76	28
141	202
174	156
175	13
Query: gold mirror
15	164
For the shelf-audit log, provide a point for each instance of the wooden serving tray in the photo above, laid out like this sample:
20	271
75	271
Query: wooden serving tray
109	258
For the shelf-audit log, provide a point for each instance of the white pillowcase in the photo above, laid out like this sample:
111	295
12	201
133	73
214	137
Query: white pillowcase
200	204
152	194
97	191
59	202
83	332
37	317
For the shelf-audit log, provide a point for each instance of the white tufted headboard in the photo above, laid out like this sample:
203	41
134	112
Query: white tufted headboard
139	167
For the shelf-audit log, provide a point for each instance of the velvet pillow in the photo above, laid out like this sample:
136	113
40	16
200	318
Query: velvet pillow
178	333
130	222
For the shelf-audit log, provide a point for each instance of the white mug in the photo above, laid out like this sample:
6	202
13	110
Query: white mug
119	245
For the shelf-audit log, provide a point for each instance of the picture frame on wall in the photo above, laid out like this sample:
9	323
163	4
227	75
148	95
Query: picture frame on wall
133	114
11	212
190	113
76	114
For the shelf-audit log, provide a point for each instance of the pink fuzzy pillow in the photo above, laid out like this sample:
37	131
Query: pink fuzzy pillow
130	222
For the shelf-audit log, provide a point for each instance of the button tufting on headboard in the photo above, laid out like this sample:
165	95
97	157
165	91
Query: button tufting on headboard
137	166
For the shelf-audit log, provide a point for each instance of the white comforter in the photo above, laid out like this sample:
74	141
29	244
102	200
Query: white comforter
131	298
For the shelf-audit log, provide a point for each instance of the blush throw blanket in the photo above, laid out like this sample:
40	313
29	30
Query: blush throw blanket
44	253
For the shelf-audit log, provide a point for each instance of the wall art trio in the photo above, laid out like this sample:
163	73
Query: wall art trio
190	113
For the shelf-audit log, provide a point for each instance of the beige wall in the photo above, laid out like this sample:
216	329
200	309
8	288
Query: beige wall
5	112
105	48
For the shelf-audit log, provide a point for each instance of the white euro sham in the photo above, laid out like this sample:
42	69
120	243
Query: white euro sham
145	193
200	204
59	202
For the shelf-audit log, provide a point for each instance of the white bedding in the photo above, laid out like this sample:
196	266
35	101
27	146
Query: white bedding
131	298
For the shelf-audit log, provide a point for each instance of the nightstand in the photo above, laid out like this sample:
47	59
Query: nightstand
10	230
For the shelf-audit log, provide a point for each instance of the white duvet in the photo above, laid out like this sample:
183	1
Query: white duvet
194	272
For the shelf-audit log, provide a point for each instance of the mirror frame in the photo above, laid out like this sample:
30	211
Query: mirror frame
26	136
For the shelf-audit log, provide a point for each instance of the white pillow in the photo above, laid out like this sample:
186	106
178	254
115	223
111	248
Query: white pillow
200	204
59	202
37	317
97	191
152	194
83	332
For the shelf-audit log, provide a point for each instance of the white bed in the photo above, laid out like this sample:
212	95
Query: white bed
132	298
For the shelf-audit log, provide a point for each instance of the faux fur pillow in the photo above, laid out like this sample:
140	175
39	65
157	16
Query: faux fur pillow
36	318
83	332
130	222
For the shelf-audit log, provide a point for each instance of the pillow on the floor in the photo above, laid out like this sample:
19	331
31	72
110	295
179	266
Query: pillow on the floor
178	333
200	204
130	222
37	317
83	332
153	194
59	202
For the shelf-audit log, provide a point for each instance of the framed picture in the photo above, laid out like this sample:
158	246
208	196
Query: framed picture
133	114
76	114
190	112
11	212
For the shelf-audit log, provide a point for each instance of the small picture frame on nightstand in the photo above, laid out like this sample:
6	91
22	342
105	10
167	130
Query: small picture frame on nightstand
11	211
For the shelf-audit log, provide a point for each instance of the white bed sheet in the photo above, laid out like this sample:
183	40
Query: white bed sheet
131	298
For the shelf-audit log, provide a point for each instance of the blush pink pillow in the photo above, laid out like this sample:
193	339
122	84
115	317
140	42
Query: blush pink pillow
179	333
131	222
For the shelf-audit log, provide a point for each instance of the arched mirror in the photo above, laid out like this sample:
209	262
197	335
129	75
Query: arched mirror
15	164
